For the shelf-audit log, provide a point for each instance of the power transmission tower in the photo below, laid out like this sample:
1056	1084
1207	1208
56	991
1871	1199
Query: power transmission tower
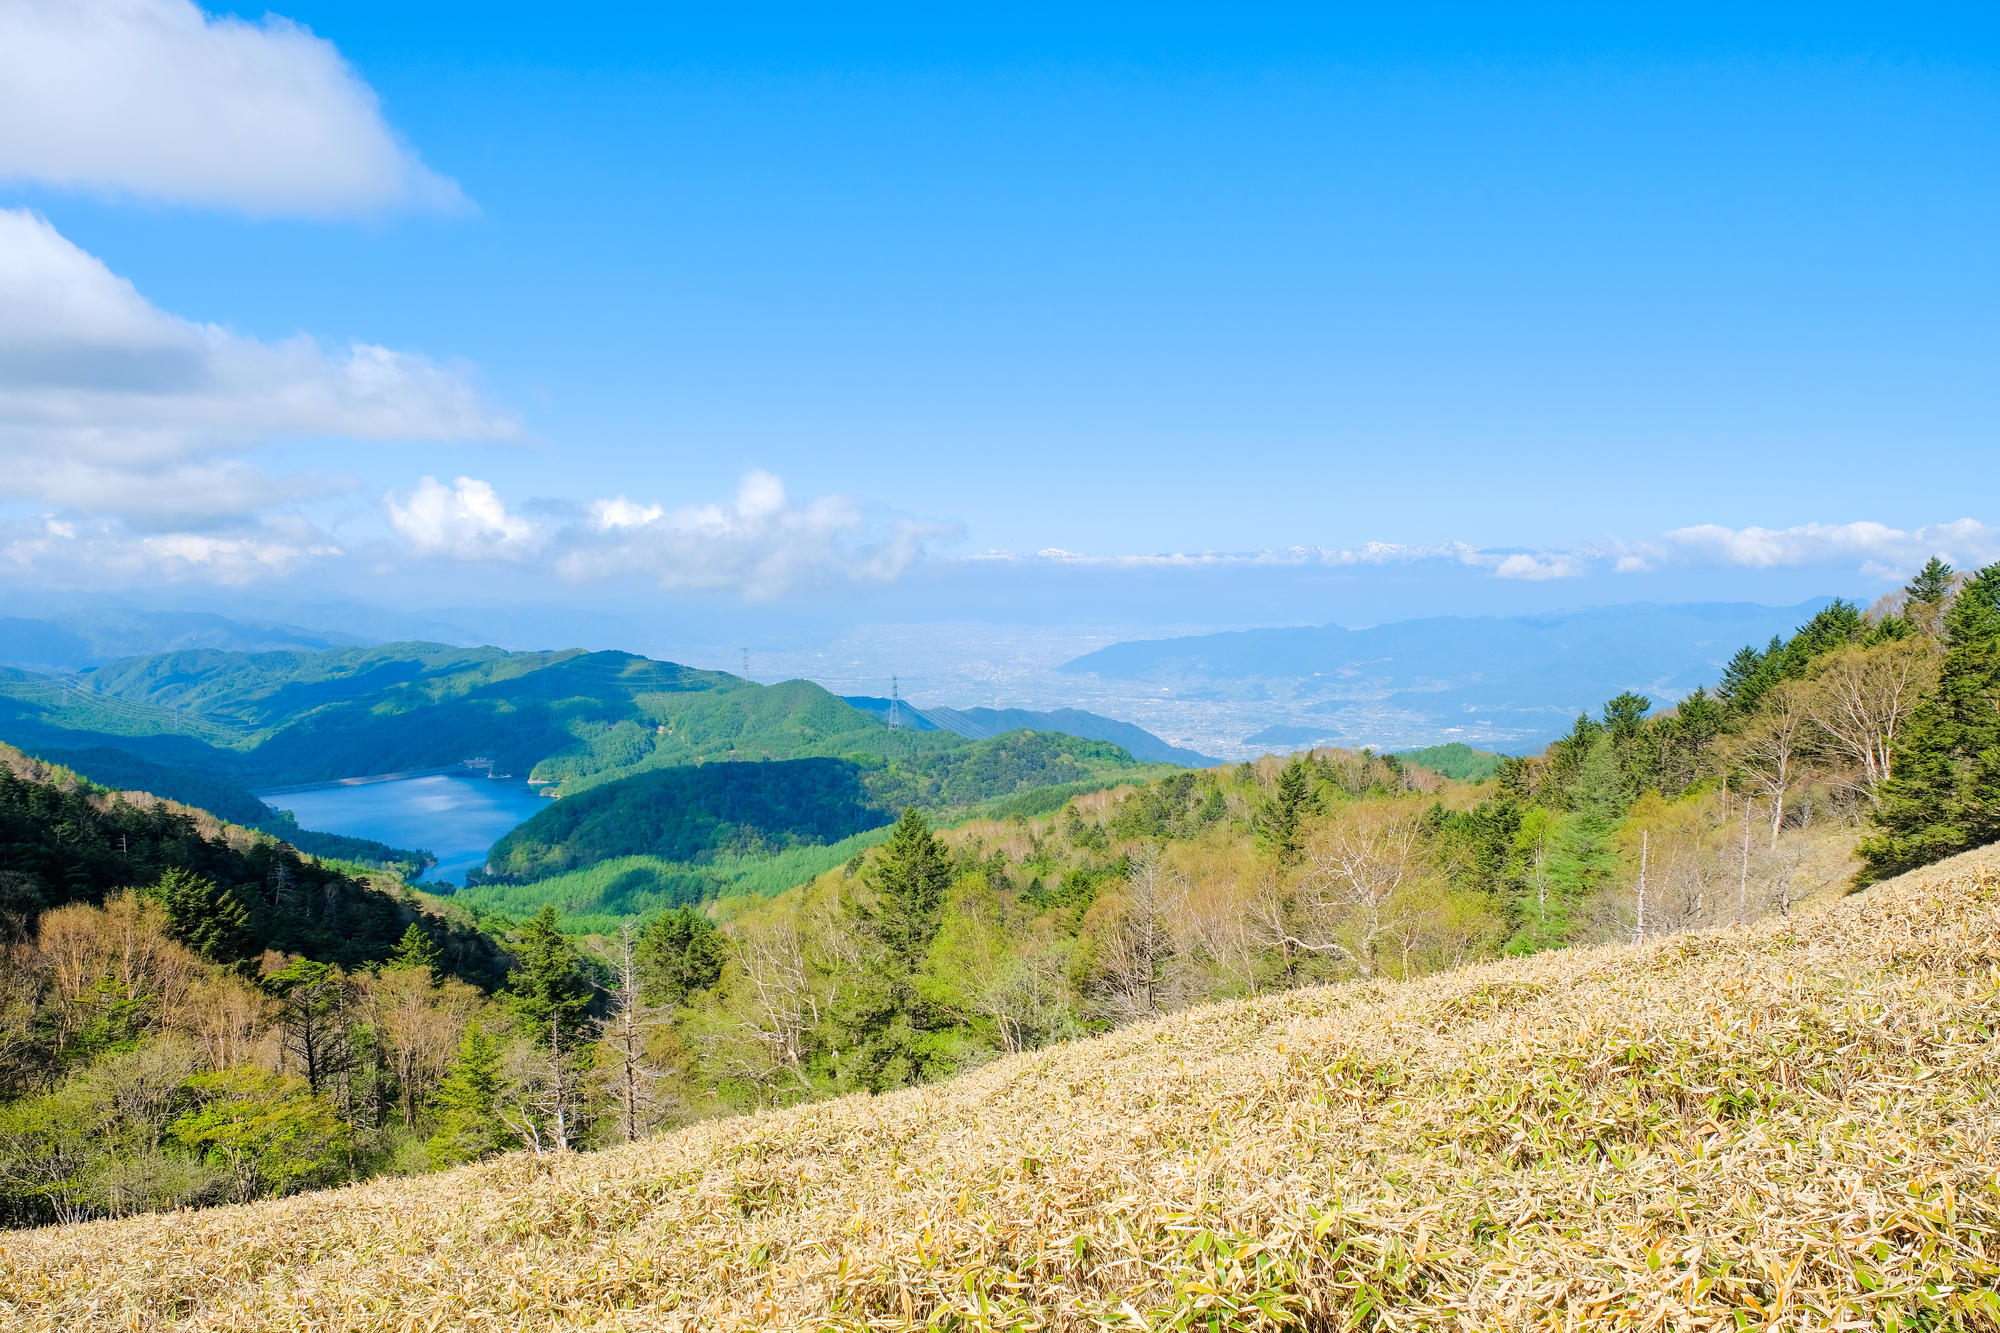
895	705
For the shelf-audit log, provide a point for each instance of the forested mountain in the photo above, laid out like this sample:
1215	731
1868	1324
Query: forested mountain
270	719
1142	744
689	815
64	840
1455	760
985	723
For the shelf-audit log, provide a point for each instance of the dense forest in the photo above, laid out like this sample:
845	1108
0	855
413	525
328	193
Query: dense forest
689	815
185	1024
683	820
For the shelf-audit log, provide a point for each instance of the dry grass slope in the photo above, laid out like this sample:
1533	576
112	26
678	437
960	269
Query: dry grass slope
1785	1126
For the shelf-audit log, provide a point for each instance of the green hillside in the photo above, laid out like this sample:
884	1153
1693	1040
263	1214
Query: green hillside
63	841
269	719
596	899
682	820
686	814
1456	760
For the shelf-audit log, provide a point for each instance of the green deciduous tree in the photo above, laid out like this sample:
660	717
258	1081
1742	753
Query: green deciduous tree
267	1130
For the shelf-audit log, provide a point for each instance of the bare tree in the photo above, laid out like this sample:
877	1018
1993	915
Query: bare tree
1029	997
117	954
1772	749
1141	951
770	1049
1223	926
543	1106
1352	895
226	1017
1860	698
420	1024
635	1079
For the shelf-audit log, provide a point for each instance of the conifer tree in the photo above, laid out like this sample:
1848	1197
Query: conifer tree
467	1103
1293	802
417	949
203	915
1932	583
547	990
680	953
1749	674
910	877
1943	792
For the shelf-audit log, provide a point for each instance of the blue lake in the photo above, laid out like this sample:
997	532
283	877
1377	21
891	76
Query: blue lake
454	818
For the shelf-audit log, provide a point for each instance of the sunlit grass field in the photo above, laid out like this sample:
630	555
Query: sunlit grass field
1791	1125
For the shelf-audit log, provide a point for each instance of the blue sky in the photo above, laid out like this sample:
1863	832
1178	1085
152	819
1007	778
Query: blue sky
1558	309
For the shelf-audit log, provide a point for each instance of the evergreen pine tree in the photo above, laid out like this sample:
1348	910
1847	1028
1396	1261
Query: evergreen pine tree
466	1103
210	919
1932	583
417	949
1943	795
1624	716
1749	674
680	952
547	986
1292	803
910	877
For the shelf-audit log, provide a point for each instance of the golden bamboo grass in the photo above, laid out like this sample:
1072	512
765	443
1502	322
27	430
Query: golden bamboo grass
1786	1126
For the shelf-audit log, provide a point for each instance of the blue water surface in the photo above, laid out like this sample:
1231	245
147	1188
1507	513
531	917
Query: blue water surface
456	818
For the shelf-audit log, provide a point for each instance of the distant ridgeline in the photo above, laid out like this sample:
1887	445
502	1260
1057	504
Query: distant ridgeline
982	723
573	718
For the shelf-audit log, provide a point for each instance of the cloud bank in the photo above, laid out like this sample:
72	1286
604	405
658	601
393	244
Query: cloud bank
109	405
72	553
1878	550
157	99
759	545
1873	550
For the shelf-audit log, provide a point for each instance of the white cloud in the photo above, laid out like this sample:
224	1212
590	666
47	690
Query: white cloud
57	553
468	523
1879	550
1536	568
156	98
621	513
109	405
760	544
